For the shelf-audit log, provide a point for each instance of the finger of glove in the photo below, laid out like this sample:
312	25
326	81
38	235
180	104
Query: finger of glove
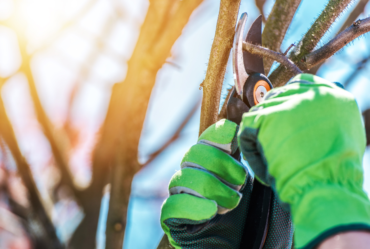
183	209
223	166
221	135
205	185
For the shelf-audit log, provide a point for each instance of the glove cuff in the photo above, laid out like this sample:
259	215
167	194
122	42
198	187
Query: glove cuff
327	210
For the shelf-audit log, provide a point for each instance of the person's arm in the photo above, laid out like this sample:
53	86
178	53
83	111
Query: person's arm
347	240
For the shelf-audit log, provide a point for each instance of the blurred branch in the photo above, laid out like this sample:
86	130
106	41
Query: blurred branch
220	51
309	41
276	26
358	28
121	131
260	4
175	136
266	53
223	112
359	67
56	141
358	10
37	215
137	87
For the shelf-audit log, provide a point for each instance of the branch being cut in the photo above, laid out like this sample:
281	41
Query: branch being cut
358	28
276	26
310	40
219	56
266	53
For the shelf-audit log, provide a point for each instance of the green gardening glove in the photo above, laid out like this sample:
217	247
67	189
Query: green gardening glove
209	197
306	140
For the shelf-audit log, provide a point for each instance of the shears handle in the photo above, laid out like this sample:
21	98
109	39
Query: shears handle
256	225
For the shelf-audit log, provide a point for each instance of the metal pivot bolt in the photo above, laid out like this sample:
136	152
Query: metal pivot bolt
260	90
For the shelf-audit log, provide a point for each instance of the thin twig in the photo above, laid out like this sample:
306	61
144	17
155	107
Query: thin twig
279	57
358	28
37	211
350	19
276	26
175	136
359	67
287	50
310	40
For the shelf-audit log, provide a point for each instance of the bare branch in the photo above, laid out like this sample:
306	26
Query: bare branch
219	56
356	12
309	41
38	214
358	28
360	7
266	53
162	27
223	112
55	140
260	4
359	67
276	26
175	136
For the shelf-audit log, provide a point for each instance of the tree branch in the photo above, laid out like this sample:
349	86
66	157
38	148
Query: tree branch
162	27
309	41
37	213
266	53
219	56
260	4
56	142
361	65
276	26
358	28
350	20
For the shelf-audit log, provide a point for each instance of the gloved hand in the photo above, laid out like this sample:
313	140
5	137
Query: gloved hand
209	197
306	140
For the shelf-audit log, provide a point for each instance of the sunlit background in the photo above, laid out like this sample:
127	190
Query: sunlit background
78	50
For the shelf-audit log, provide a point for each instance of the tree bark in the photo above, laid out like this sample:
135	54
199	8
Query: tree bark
162	27
276	26
309	41
220	52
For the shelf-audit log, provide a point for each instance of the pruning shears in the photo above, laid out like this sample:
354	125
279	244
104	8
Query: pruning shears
251	86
